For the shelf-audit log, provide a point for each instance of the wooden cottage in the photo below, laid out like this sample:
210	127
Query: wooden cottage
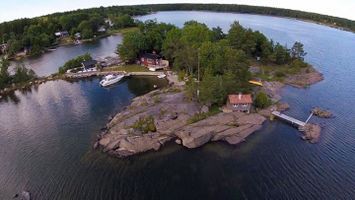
148	59
239	102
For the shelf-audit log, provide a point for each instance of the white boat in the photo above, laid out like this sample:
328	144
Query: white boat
162	76
110	79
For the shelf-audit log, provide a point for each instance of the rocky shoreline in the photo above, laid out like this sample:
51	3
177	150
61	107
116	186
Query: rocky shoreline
171	111
305	78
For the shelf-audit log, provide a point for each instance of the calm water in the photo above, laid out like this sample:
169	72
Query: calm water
50	62
46	135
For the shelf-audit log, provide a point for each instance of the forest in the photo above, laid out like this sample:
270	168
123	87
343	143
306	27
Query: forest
319	18
218	62
36	34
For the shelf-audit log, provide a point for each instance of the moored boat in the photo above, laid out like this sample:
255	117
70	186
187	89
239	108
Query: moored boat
110	79
161	76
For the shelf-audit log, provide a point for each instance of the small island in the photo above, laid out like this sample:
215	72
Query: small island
222	87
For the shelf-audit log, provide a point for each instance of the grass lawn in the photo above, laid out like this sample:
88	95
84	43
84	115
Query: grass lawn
272	72
127	68
122	30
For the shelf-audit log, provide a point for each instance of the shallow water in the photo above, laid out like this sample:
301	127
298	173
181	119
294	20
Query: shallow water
46	135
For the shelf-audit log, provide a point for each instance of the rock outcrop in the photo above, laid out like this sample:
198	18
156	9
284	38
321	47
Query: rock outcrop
171	110
319	112
305	78
312	133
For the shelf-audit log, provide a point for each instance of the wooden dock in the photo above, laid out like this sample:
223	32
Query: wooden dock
98	73
292	120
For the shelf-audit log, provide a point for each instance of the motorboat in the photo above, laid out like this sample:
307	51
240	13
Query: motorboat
110	79
162	76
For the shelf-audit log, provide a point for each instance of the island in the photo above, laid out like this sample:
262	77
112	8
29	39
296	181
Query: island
222	87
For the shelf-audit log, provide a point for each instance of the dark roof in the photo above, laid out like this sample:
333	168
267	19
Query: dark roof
89	63
151	56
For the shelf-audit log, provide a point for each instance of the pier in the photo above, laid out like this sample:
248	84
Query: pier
292	120
99	73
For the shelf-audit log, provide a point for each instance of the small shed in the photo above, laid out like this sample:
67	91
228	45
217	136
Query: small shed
239	102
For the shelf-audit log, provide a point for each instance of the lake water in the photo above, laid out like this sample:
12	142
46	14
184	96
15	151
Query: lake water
46	135
49	62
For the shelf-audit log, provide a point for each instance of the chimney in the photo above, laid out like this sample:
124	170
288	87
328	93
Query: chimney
240	96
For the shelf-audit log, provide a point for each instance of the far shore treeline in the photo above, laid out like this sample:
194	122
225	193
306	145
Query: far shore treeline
36	34
219	61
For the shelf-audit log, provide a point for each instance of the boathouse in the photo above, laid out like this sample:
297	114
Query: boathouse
239	102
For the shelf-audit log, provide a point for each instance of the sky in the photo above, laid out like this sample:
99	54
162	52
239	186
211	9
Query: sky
14	9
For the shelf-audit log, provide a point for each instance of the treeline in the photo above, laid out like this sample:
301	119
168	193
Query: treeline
33	35
324	19
21	74
217	60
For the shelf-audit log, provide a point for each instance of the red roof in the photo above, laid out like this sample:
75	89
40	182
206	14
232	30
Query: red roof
240	98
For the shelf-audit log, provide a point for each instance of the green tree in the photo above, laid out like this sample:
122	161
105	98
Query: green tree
172	44
297	51
87	33
194	34
22	74
217	33
133	43
4	74
262	100
123	21
281	54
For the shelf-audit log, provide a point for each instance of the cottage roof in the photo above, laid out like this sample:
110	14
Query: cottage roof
240	99
89	63
151	55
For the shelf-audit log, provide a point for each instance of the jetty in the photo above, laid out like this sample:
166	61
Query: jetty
292	120
99	73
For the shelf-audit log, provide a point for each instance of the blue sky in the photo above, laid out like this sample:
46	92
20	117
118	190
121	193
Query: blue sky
14	9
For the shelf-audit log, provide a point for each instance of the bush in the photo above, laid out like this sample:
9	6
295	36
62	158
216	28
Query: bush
298	64
262	100
145	124
279	74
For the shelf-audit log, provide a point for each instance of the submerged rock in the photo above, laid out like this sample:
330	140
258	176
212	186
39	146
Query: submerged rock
25	195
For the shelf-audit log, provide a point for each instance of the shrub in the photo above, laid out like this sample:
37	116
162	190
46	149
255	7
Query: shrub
145	124
262	100
279	74
298	64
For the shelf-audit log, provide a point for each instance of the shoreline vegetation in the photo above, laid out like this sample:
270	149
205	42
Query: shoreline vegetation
34	36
